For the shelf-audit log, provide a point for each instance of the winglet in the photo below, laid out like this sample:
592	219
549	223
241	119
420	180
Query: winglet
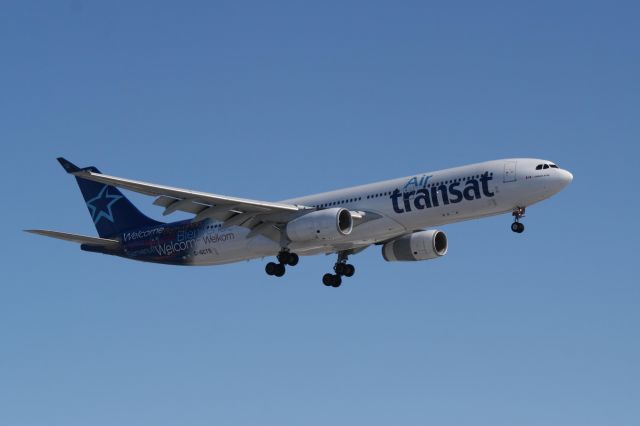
68	165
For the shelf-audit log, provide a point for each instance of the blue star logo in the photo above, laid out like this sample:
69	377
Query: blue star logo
100	205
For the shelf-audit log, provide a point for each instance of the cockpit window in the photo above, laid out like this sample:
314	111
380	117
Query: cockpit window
546	166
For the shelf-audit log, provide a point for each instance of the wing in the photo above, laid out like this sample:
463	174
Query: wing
261	217
233	211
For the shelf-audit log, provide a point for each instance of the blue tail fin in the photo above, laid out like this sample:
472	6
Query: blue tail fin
111	211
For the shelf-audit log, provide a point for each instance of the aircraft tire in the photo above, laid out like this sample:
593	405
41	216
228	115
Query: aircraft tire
336	281
327	279
349	270
270	269
283	257
293	259
280	270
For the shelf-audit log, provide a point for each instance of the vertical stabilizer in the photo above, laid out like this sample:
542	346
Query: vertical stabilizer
112	213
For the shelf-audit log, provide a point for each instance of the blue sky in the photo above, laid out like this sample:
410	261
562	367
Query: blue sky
271	100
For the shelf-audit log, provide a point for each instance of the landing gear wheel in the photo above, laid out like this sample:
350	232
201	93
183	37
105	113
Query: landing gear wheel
327	279
293	259
331	280
517	227
280	270
271	268
283	257
341	268
349	270
288	258
337	281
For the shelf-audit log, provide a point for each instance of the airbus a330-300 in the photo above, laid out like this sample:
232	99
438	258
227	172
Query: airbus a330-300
399	215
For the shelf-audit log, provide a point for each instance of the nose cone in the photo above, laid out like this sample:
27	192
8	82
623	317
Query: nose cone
564	178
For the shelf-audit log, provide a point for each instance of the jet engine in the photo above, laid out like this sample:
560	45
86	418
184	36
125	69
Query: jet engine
329	224
421	245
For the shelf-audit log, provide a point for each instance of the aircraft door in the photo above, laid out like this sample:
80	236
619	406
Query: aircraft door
510	171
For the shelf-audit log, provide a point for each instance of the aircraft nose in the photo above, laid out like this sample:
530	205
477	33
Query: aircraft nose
565	177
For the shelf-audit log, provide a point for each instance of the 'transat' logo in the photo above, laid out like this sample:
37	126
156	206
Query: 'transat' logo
417	194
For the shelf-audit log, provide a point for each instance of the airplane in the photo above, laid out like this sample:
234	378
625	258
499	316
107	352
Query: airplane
400	215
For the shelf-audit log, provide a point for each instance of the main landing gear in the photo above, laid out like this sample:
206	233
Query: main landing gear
341	269
516	226
284	258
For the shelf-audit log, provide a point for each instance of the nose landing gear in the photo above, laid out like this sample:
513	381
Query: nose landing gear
284	258
516	226
341	269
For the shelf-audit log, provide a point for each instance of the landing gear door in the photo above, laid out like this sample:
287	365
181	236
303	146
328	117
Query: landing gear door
510	171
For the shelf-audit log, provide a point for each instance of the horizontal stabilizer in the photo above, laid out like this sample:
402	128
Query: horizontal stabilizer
80	239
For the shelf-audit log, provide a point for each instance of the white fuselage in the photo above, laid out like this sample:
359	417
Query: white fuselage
511	183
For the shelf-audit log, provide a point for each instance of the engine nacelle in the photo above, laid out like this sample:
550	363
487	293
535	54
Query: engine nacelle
329	224
422	245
